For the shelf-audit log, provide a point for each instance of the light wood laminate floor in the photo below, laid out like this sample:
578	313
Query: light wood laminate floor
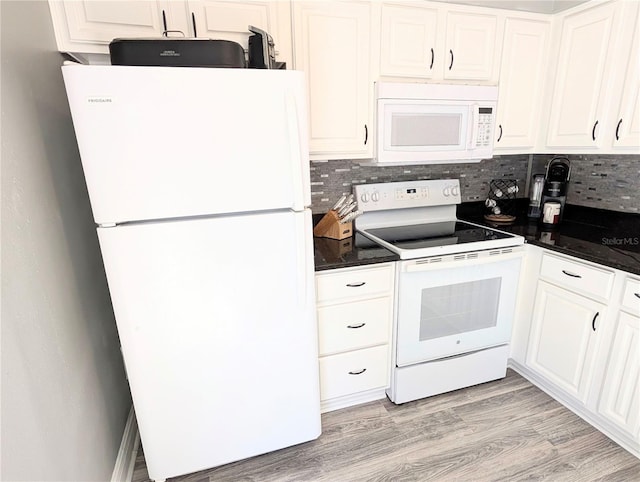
505	430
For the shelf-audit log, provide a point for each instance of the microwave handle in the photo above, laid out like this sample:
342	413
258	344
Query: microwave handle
475	116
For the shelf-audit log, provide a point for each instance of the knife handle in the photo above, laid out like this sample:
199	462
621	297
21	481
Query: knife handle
340	202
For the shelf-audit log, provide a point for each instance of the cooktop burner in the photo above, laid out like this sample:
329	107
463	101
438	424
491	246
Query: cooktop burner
436	234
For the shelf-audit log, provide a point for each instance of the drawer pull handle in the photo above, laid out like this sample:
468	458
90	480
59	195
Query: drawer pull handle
356	326
358	373
573	275
356	285
637	295
593	322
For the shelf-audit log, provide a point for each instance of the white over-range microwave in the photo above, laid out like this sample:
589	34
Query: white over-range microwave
434	123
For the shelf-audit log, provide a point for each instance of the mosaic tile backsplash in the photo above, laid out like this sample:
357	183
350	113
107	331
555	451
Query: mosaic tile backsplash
332	179
601	181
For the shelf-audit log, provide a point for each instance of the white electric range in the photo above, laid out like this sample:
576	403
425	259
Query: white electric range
416	219
456	286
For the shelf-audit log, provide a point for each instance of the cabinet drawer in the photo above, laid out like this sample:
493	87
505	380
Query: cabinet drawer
589	280
354	372
631	295
353	283
354	325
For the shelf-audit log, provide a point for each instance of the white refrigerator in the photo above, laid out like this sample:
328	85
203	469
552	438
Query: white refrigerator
199	184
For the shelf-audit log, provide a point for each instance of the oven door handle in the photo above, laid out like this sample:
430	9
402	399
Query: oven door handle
427	265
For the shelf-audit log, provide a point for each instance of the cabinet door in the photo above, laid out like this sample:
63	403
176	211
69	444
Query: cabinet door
563	338
332	46
89	26
580	92
471	49
524	59
620	398
408	41
229	20
627	128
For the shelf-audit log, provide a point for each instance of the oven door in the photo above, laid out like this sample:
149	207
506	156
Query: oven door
455	304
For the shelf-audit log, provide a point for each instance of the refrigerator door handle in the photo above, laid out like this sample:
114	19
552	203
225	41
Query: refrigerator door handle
304	255
297	146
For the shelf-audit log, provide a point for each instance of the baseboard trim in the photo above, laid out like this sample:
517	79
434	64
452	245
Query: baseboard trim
351	400
123	470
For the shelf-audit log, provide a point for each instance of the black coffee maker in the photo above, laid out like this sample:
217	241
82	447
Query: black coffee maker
555	188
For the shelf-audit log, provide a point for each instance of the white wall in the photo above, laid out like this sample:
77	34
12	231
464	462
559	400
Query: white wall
64	397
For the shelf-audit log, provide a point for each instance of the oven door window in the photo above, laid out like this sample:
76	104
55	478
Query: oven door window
459	308
453	308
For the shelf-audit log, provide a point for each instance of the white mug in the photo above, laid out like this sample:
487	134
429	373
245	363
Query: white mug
551	213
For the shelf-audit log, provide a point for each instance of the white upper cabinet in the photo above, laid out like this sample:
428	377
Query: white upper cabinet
426	40
472	46
525	56
408	38
582	91
89	26
333	47
625	133
230	19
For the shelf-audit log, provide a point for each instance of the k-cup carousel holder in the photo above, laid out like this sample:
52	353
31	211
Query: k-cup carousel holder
501	201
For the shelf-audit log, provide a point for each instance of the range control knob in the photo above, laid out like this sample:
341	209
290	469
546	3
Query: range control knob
375	196
455	191
446	192
364	197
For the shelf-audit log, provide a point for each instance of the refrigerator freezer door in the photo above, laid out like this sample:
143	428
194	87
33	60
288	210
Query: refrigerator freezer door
218	333
168	142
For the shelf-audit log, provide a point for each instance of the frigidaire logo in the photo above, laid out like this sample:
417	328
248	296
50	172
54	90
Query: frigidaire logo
99	100
169	53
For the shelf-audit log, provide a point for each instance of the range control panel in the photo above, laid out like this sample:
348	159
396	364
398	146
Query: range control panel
407	194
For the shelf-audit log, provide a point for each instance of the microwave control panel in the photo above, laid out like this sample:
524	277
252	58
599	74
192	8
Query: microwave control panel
485	126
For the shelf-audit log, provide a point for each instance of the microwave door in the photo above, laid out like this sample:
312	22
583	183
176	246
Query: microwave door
434	123
418	130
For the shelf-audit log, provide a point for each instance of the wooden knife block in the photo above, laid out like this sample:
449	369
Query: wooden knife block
330	227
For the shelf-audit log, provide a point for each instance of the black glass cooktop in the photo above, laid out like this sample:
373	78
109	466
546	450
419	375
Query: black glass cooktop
435	234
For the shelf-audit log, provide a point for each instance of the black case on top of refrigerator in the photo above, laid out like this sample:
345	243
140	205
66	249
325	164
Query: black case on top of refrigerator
177	52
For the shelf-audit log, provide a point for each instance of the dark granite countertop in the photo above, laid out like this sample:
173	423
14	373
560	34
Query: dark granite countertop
349	252
605	237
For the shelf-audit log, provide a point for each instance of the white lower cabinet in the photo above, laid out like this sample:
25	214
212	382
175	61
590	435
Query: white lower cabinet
563	339
620	397
355	312
584	343
353	372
